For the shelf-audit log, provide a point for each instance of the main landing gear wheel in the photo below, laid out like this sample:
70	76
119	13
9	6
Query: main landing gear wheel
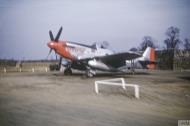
68	71
89	73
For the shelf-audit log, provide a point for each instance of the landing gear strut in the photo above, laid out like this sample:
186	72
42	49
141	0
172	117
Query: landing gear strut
132	66
90	73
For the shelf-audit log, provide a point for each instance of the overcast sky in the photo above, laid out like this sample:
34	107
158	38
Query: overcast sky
24	24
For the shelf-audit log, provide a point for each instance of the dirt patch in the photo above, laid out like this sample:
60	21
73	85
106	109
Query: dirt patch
43	99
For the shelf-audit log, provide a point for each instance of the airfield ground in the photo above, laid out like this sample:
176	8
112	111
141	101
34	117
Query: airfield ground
51	99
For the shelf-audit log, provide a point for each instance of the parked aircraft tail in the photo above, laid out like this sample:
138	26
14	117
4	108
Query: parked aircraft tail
149	55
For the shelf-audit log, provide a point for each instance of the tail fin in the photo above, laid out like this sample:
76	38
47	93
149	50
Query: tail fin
149	55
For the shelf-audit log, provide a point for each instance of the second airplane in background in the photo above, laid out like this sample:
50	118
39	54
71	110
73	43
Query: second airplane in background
96	57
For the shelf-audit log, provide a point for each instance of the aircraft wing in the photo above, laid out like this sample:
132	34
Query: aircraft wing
114	60
118	60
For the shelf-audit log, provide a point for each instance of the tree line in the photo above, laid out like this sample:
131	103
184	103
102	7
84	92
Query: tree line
172	41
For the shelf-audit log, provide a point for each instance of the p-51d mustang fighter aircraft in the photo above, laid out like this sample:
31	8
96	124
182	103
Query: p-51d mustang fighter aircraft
91	58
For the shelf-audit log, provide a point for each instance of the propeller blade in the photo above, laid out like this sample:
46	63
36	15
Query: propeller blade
49	53
60	61
58	34
51	36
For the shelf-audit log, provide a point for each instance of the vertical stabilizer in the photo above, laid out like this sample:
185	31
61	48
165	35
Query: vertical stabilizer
149	55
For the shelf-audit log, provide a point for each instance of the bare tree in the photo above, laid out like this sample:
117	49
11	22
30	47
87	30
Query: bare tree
172	41
147	42
187	44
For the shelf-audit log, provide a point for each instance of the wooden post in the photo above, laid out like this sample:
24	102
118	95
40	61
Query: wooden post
5	70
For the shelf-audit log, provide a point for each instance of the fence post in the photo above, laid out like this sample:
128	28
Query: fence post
123	83
46	69
96	88
4	70
33	70
137	91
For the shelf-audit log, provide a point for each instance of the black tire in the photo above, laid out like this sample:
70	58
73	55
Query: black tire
67	72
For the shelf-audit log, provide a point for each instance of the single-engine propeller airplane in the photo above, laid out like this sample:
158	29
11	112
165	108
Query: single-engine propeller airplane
96	57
